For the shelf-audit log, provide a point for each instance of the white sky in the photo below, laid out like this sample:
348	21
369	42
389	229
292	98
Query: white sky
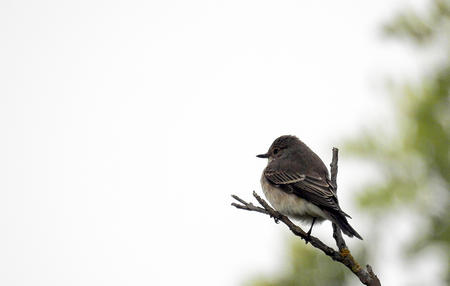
125	127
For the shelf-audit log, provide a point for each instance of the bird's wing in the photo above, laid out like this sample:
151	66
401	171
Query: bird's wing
315	189
283	178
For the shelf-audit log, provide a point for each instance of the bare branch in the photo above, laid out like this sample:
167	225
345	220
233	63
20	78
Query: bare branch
337	234
247	206
366	276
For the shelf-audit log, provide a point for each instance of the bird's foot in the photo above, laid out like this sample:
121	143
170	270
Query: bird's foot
308	236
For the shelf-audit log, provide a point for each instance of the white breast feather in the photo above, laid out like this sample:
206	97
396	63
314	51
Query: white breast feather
290	204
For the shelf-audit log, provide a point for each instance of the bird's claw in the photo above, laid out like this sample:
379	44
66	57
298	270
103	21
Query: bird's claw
276	219
307	237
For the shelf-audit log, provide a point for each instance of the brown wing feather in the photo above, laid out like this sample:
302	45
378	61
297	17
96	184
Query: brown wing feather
316	190
283	178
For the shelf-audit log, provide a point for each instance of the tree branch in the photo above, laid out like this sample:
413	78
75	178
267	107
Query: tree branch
337	234
366	276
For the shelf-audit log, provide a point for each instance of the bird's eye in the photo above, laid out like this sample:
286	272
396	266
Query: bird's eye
275	151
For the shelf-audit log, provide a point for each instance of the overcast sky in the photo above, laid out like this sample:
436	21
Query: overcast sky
126	125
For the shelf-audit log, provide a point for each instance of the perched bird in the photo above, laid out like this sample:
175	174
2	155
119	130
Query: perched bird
297	184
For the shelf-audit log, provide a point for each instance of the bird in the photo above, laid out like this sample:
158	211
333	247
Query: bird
297	184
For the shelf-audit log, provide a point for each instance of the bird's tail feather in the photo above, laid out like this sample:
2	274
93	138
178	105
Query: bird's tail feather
343	224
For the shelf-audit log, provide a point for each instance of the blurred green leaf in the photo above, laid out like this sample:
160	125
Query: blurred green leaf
413	161
306	266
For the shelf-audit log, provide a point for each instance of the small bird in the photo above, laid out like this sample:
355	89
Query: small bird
297	184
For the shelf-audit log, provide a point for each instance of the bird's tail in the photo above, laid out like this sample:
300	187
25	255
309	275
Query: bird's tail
342	223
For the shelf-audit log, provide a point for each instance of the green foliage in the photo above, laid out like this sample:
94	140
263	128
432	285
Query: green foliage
413	160
420	28
306	266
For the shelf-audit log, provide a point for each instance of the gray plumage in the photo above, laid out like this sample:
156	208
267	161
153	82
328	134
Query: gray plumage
297	184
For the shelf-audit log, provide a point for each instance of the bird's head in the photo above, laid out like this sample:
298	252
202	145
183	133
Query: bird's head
280	146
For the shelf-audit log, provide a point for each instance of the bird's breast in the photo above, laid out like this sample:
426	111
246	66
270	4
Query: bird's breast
290	204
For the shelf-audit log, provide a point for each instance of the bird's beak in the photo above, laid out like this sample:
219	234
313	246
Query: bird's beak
263	155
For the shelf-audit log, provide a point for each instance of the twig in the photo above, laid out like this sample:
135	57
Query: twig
247	206
366	276
337	234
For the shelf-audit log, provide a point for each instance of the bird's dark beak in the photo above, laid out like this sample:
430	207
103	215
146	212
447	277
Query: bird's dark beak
263	155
